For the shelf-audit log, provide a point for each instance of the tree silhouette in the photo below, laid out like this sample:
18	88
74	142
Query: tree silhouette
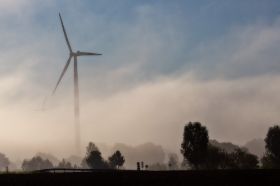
200	154
272	141
94	158
238	159
195	143
271	158
36	163
216	158
91	147
243	160
116	160
138	166
4	161
269	162
64	164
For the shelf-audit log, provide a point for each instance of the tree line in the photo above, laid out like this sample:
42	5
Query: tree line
198	153
93	159
197	150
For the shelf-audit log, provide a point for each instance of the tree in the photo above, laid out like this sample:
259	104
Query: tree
271	158
243	160
269	162
216	158
36	163
272	141
195	144
91	147
4	161
94	158
48	156
64	165
84	164
116	160
95	161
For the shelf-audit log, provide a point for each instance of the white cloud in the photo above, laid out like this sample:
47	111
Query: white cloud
232	110
250	50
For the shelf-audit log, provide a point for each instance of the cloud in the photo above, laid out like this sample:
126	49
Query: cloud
232	110
12	5
250	50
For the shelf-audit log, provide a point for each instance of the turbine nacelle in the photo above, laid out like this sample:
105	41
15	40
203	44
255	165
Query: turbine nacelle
79	53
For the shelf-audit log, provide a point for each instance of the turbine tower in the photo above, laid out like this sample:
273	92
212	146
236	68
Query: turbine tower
74	55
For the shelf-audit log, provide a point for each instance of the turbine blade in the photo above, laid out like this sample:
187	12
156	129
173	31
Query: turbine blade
62	74
88	54
65	34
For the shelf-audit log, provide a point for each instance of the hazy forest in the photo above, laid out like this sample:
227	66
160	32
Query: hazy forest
198	152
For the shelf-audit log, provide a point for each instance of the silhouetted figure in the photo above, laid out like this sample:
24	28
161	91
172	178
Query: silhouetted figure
142	165
138	166
149	152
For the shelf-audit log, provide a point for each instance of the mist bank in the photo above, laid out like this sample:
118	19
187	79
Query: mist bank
154	111
148	153
155	156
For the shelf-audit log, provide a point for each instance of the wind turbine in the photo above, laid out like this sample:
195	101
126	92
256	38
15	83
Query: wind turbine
74	55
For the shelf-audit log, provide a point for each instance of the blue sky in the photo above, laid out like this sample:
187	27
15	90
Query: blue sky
104	26
164	63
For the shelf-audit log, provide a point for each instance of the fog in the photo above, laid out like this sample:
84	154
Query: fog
155	75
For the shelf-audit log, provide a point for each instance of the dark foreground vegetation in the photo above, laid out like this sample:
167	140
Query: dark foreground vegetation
130	178
199	154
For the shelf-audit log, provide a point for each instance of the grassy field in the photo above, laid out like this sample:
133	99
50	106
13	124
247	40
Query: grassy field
139	178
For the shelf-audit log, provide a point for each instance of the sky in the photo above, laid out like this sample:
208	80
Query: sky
164	63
